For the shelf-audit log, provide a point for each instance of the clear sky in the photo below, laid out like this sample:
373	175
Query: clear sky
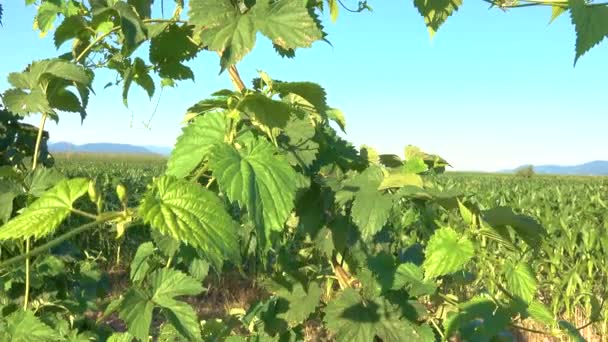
492	90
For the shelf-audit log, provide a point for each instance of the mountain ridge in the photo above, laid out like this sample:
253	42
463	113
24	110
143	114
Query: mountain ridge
103	147
592	168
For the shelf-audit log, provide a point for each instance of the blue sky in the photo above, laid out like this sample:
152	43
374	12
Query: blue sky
492	90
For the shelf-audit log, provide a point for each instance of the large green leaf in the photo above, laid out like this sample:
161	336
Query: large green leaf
371	208
309	91
527	228
296	302
269	112
32	91
192	214
260	179
288	23
490	318
139	265
436	12
195	143
172	47
591	24
45	214
9	190
520	280
136	310
446	252
351	318
299	144
137	306
41	179
223	28
410	277
23	326
131	25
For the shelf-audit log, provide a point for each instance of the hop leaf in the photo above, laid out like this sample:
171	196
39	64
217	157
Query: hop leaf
591	24
436	12
446	253
137	306
353	319
520	280
192	214
46	213
258	178
195	143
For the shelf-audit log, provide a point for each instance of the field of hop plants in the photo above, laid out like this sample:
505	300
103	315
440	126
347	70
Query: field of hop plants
265	223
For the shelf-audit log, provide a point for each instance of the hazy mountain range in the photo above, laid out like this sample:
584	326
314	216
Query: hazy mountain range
594	168
63	147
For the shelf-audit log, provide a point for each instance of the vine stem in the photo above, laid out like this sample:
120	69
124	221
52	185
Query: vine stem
26	295
60	239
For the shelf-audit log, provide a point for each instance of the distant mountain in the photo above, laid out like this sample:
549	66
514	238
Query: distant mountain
63	147
594	168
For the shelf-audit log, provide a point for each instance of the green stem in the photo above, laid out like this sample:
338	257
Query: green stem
83	213
26	295
169	262
59	240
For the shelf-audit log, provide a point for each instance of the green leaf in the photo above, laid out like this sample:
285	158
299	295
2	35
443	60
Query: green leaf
131	26
556	11
411	277
338	117
69	28
169	283
120	337
166	244
520	280
333	9
526	227
446	253
269	112
137	306
223	28
136	310
288	24
23	103
140	265
196	141
491	319
351	318
258	178
371	207
45	214
571	331
299	145
415	165
198	269
436	12
24	326
192	214
182	317
46	16
142	77
309	91
590	23
400	179
170	48
143	7
299	302
9	190
539	312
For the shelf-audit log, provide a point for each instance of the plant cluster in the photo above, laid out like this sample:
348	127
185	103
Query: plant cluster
259	183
